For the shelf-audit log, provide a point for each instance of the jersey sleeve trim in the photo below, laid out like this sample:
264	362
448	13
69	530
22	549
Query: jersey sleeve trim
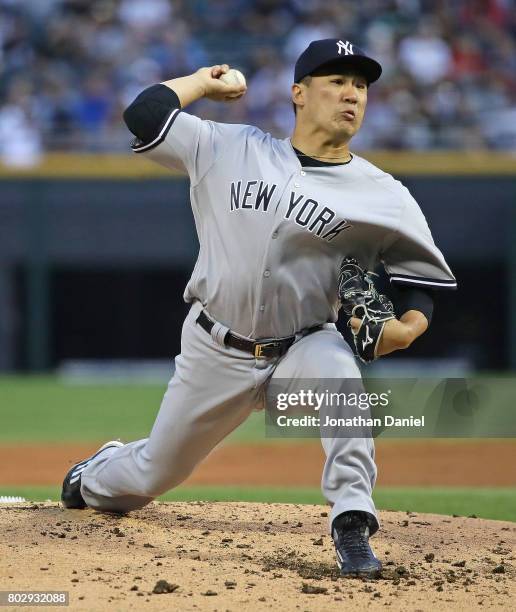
139	147
419	281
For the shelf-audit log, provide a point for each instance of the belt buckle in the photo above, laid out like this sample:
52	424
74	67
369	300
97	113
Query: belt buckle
259	347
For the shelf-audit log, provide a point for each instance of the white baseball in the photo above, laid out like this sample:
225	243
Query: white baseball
233	77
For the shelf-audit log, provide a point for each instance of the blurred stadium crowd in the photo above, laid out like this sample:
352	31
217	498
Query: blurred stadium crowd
68	68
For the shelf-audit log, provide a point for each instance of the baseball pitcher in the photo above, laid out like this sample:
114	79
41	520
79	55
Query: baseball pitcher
289	231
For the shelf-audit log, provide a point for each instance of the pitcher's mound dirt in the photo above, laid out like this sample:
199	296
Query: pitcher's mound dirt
240	556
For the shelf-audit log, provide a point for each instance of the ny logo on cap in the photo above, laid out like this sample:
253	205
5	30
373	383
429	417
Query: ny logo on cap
347	47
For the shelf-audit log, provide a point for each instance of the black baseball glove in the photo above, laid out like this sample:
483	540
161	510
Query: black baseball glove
360	299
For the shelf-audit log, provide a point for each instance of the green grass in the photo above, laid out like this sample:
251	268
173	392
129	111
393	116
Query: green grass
45	409
42	409
491	503
298	495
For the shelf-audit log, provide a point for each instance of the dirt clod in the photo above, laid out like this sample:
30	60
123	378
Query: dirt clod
311	589
162	586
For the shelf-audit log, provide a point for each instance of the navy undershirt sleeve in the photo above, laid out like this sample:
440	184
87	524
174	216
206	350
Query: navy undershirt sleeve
407	298
147	114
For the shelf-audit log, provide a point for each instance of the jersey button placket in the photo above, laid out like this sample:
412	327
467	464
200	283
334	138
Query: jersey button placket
273	236
266	274
296	184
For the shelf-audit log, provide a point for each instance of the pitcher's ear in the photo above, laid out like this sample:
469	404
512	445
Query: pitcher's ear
298	94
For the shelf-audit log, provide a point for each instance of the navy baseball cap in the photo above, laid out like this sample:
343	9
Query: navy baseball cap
332	50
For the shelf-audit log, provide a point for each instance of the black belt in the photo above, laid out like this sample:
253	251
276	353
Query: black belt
265	347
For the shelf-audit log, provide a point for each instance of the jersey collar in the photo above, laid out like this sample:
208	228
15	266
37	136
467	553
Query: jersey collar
311	162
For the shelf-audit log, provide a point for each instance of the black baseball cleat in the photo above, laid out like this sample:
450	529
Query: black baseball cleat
350	532
71	493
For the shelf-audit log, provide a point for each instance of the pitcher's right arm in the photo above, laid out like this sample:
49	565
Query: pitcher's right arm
175	139
146	115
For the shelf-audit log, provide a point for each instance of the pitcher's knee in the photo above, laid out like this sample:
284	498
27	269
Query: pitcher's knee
121	505
155	487
156	484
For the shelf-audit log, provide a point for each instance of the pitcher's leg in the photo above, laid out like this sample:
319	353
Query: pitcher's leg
130	477
349	476
211	393
349	472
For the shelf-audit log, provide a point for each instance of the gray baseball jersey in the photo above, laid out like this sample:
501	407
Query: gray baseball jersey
272	234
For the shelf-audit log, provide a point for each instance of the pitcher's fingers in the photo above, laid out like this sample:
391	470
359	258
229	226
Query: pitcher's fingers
237	91
233	98
354	323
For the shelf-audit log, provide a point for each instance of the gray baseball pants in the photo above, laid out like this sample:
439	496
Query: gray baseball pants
213	390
